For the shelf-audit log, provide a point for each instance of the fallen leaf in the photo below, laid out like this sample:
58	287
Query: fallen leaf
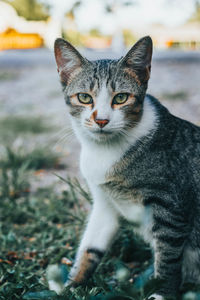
66	261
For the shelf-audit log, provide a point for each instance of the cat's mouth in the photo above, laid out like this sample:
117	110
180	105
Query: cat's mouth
102	132
101	135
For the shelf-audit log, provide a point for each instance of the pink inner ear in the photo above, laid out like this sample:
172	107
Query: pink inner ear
68	60
59	58
62	69
66	71
65	75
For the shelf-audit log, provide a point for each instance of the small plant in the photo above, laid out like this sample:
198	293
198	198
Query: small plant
8	75
39	158
14	182
179	96
22	125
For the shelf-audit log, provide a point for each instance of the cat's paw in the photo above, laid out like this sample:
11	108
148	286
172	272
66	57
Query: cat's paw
155	297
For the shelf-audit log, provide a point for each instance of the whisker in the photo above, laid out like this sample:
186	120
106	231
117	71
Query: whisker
67	133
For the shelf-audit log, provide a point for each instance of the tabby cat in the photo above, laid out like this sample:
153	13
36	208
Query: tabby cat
136	157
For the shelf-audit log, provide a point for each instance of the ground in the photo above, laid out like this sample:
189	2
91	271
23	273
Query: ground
43	206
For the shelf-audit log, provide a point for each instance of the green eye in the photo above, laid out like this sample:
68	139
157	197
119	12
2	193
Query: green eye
120	98
85	98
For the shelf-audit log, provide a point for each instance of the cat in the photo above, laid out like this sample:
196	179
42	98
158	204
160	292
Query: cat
136	157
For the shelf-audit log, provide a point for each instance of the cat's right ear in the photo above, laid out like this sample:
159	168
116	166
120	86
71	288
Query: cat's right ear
69	60
138	59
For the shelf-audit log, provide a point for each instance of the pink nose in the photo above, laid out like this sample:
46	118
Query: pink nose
101	123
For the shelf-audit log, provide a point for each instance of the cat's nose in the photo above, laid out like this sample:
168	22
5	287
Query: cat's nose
101	123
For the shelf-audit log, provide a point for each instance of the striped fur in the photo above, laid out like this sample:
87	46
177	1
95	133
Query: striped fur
144	162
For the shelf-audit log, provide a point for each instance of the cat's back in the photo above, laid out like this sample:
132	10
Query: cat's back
180	138
189	137
174	136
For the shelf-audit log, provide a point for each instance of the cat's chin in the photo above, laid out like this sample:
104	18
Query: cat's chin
101	137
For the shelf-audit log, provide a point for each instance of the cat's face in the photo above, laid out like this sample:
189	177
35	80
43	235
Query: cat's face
105	97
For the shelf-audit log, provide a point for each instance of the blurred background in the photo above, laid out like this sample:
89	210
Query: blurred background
33	120
37	148
29	85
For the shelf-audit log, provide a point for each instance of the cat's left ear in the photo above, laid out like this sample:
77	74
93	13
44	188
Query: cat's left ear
69	60
138	59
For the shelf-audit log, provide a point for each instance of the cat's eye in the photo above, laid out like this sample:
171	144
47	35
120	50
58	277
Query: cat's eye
120	98
85	98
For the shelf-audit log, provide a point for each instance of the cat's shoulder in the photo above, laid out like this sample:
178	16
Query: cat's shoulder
168	119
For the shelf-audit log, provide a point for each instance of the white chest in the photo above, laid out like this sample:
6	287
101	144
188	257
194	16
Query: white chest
95	162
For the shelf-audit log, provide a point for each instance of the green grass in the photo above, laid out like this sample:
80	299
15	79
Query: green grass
8	75
38	158
176	96
25	128
23	125
39	229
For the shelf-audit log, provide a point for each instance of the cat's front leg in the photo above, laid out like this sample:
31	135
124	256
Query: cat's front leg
100	230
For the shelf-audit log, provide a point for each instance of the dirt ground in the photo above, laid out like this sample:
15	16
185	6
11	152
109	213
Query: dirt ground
29	86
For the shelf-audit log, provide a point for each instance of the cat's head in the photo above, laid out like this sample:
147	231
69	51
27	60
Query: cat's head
105	97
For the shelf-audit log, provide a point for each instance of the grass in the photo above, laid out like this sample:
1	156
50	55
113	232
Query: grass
33	236
8	75
26	130
38	158
176	96
22	124
41	228
14	126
